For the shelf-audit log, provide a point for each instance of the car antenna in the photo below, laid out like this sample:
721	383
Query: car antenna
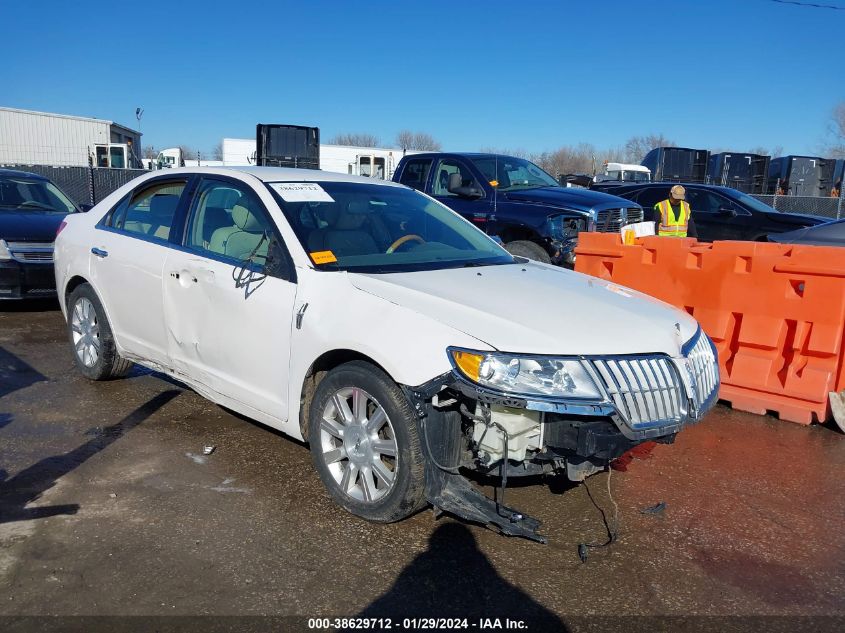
496	187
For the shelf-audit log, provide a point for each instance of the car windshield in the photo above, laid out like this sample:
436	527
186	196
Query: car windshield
19	193
378	228
749	201
511	174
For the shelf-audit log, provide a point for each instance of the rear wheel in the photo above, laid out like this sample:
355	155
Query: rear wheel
91	337
365	443
524	248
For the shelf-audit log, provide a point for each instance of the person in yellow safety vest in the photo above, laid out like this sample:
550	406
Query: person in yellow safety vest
672	217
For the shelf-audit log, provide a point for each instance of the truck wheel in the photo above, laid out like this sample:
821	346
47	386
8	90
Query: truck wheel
91	337
365	443
524	248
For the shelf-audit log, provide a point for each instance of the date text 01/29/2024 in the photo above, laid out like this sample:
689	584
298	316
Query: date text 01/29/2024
418	624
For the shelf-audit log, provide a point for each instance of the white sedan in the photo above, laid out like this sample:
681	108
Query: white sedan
405	345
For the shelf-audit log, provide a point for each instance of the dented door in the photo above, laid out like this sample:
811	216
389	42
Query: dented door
228	304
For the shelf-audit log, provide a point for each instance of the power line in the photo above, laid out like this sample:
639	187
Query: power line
811	5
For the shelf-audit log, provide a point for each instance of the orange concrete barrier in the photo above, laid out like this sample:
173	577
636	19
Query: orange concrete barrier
775	312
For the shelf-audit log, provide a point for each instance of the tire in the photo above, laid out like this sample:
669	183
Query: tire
524	248
354	460
91	338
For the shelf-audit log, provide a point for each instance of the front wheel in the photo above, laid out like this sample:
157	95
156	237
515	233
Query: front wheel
525	248
365	443
90	335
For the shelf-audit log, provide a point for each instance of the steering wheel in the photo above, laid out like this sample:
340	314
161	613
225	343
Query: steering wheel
402	240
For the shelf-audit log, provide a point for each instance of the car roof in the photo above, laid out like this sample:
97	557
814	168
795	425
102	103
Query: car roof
461	154
281	174
669	183
18	172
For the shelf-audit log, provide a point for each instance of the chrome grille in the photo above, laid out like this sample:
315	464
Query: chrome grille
705	372
646	390
611	220
650	391
635	215
31	251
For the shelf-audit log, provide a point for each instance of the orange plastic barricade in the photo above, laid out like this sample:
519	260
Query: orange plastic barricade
775	312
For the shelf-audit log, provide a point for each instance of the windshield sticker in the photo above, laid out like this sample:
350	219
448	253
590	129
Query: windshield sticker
323	257
301	192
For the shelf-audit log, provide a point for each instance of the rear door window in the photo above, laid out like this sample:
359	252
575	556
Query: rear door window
650	197
705	201
151	210
415	173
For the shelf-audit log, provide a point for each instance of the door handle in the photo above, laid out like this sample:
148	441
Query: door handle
99	252
192	276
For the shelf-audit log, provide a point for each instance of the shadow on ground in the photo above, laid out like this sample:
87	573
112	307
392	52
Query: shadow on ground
29	484
16	374
454	579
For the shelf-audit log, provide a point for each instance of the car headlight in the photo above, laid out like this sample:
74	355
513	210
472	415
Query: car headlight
543	376
561	227
5	254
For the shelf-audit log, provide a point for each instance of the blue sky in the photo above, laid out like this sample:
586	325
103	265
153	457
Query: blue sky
518	75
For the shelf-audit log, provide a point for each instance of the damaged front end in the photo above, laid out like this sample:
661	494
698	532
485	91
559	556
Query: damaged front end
467	427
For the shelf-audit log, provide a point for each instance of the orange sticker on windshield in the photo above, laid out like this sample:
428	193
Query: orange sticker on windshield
494	183
323	257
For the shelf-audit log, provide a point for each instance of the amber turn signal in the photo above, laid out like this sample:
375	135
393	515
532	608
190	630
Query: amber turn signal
468	363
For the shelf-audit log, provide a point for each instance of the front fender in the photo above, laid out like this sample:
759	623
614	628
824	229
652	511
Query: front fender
409	346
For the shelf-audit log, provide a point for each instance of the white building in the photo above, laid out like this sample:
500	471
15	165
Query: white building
343	159
43	138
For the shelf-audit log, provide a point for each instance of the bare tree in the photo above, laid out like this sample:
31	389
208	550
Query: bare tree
217	152
519	153
776	150
150	152
569	159
613	155
417	140
836	130
637	147
405	139
356	139
190	155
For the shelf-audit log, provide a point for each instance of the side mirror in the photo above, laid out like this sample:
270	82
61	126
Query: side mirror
85	208
455	183
456	186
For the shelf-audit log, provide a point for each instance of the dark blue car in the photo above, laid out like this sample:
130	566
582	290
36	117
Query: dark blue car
31	210
514	199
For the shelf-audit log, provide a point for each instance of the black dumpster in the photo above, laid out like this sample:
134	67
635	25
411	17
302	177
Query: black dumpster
677	164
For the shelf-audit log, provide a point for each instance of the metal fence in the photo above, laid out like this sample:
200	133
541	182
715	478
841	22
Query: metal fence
833	208
84	185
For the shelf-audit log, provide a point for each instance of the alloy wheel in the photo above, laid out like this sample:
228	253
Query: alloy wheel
86	332
358	444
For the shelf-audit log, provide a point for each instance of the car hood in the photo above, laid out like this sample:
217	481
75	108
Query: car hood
569	197
537	309
26	226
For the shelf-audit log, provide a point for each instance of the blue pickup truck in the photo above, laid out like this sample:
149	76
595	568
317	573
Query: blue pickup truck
514	199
